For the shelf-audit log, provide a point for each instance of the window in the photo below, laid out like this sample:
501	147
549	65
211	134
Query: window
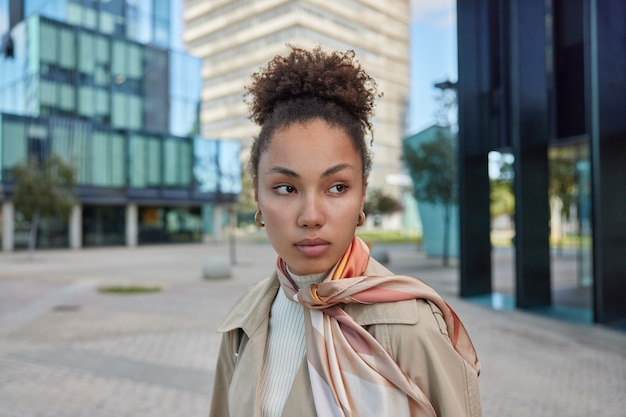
67	53
48	93
101	105
86	53
176	162
117	158
184	117
134	112
86	101
101	159
14	150
67	97
134	67
119	111
107	22
127	111
48	42
145	161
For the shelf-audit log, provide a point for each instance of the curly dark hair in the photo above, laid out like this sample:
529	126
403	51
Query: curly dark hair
311	84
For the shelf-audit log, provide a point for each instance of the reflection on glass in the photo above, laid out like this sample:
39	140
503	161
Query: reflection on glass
104	225
205	169
584	217
216	166
230	181
169	224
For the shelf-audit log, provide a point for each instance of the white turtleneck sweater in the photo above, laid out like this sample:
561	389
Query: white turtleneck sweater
285	348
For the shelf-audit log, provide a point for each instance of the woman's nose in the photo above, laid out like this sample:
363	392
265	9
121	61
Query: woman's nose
311	213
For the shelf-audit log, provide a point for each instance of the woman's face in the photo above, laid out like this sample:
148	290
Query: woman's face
310	191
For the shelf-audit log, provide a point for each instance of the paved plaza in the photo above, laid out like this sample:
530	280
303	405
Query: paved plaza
70	350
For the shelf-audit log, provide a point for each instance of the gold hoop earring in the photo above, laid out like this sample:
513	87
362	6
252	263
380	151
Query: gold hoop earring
257	219
361	220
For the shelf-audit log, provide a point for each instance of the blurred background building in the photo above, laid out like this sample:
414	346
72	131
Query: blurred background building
105	85
236	38
545	81
129	90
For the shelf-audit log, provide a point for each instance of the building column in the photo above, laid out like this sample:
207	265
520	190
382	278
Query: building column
76	227
606	82
529	129
475	226
8	226
475	141
131	225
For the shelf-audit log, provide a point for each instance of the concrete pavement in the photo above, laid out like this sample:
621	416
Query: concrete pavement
68	350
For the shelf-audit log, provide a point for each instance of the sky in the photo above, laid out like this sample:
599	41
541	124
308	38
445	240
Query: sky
433	57
433	51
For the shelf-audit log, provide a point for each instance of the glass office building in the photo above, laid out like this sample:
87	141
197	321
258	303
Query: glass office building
545	81
102	85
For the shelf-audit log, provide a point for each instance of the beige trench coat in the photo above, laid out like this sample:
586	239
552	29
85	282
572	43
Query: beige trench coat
413	332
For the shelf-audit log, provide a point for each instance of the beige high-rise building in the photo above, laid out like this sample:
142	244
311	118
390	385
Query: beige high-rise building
237	37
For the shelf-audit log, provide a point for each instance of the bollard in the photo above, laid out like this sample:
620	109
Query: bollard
216	268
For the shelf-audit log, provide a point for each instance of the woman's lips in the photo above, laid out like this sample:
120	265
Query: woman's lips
312	247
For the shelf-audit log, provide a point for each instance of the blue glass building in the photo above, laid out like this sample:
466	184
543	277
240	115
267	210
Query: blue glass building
104	85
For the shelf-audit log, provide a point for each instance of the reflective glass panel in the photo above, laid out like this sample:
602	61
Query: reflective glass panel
87	57
205	166
85	101
67	48
14	150
118	160
49	43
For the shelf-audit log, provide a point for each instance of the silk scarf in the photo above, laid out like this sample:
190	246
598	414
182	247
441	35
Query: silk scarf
350	371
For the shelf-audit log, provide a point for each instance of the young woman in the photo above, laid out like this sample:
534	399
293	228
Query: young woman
331	332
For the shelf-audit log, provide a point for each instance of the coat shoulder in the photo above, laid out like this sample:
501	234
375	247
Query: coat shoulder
249	308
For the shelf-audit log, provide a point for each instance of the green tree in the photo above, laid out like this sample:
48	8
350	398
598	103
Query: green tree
43	190
432	166
563	184
502	198
379	203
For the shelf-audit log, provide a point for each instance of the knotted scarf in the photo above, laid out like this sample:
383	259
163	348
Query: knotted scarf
351	373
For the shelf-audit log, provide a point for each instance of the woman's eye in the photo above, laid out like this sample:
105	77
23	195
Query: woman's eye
284	189
338	188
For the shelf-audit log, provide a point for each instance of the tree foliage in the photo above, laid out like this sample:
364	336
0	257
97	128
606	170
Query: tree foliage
380	203
433	169
502	198
563	184
432	166
43	190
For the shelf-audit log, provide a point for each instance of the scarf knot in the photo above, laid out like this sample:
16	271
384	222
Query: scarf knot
314	296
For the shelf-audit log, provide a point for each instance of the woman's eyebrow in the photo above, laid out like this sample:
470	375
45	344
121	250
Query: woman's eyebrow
284	171
293	174
334	169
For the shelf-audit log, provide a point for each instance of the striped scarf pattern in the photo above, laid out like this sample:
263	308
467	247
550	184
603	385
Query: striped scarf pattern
350	371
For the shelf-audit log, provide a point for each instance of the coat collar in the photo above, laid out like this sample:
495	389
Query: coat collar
253	308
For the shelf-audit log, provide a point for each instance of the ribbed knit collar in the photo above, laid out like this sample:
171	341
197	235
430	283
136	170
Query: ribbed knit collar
303	281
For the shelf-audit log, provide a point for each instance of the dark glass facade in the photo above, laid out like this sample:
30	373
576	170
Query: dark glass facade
169	225
99	84
103	225
545	81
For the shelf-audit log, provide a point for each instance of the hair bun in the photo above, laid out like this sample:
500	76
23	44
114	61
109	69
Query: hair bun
334	76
